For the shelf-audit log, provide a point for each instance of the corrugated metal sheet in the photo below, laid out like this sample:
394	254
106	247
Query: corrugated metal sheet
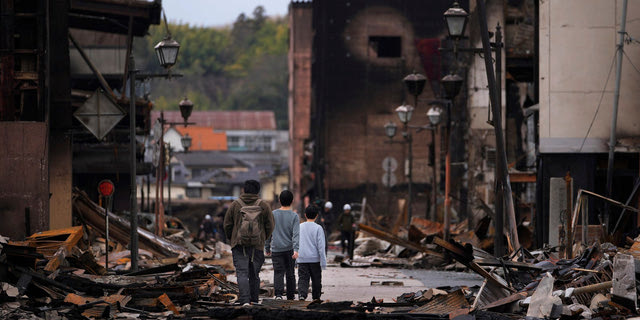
224	120
452	304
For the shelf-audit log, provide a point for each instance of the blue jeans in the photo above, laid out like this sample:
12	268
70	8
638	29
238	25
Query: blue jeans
248	262
283	264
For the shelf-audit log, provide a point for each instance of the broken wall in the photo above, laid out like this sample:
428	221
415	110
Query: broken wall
300	46
362	51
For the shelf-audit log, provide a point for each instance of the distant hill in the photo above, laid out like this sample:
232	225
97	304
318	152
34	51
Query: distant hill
239	67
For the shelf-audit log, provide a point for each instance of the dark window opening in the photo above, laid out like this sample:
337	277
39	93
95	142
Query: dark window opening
193	193
386	47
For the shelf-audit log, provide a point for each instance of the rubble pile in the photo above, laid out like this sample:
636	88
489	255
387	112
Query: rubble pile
599	283
413	248
63	274
84	272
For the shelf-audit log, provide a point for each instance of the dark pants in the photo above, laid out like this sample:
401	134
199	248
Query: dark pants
344	237
308	271
248	262
283	264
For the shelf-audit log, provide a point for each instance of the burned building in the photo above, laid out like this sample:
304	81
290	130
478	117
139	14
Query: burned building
347	60
44	150
347	63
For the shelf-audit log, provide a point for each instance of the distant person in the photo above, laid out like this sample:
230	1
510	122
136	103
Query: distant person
283	246
328	217
346	223
319	203
207	228
311	259
247	224
218	234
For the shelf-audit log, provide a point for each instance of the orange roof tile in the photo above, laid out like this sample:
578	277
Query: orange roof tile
204	139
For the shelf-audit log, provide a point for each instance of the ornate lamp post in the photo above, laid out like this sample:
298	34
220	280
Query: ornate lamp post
405	112
456	20
390	130
451	85
434	114
167	53
186	107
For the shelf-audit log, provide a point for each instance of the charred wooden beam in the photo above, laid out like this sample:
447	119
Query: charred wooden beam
397	240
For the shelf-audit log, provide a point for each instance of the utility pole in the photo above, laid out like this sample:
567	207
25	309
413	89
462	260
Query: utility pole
504	184
133	244
614	116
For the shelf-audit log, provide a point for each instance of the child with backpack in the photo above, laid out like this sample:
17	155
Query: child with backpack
311	256
247	224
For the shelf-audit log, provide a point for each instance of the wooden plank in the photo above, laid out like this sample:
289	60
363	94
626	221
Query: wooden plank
467	260
522	177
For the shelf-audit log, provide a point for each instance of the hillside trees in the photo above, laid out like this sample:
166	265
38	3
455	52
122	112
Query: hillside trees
238	67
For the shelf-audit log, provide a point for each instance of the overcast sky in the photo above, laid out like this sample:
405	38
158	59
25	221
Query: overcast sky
218	12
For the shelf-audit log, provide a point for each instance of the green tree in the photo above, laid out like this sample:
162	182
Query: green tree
240	67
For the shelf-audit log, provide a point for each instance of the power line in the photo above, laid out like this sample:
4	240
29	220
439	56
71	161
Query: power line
599	103
625	54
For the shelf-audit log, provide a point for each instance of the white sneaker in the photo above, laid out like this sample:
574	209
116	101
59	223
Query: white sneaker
247	304
278	297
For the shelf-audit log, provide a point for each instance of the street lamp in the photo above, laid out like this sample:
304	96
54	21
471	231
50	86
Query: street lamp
167	52
404	112
186	142
434	114
415	83
451	83
186	107
456	18
167	49
390	129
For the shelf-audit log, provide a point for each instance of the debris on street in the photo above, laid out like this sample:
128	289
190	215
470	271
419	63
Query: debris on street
63	274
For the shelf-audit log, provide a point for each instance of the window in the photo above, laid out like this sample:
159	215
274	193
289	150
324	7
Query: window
234	142
386	47
258	143
194	192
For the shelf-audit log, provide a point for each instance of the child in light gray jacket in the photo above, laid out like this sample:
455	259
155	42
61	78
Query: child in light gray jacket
311	256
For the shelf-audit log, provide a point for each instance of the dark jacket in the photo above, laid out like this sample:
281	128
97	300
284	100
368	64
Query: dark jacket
233	219
345	221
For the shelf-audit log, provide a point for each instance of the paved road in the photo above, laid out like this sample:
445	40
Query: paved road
354	284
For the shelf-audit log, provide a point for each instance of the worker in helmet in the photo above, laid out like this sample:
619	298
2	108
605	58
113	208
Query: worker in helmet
346	222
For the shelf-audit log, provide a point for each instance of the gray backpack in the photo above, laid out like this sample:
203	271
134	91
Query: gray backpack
250	231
